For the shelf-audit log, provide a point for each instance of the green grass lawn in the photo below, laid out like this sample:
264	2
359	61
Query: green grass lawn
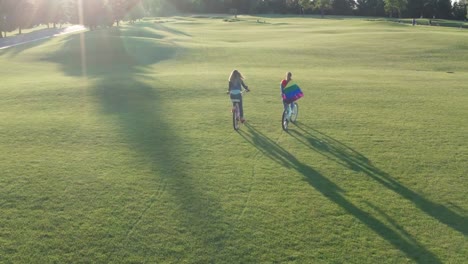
117	145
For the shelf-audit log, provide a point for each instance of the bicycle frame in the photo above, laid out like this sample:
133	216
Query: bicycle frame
289	115
236	113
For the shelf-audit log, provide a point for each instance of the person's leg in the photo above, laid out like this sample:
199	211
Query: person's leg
288	109
234	99
241	109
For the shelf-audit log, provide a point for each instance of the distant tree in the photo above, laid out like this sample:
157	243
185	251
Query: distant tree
363	8
115	10
184	6
322	6
3	14
136	12
208	6
151	6
93	12
389	7
459	10
50	11
74	12
62	12
306	5
21	15
342	7
244	6
444	9
370	8
260	6
430	9
42	9
277	6
293	7
18	14
395	6
418	8
161	7
464	3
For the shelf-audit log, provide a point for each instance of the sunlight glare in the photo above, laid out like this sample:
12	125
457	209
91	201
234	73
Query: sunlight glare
82	40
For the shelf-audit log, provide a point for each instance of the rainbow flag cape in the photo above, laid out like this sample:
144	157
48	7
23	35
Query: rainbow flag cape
291	93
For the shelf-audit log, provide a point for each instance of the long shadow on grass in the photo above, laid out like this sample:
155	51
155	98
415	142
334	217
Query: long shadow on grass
115	67
352	159
402	241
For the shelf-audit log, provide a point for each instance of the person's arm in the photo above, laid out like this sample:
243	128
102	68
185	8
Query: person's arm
283	85
245	86
229	87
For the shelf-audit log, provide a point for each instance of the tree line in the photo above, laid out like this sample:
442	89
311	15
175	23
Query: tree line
20	14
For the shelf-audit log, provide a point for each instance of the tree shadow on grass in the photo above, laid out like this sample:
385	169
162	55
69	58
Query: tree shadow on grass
110	52
400	240
115	67
352	159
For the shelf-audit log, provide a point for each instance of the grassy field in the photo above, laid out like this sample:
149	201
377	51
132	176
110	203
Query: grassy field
117	145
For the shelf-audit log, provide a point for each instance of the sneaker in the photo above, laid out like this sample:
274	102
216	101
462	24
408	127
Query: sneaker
242	120
233	109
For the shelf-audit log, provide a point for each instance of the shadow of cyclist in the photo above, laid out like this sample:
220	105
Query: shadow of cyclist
403	241
348	157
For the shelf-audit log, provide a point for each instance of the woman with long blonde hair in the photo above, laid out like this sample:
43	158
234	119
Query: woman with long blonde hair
236	82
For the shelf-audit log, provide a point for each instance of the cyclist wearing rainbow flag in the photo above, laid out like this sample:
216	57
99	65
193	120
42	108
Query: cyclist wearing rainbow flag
290	91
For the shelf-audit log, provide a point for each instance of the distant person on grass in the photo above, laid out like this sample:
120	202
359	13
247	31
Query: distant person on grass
236	82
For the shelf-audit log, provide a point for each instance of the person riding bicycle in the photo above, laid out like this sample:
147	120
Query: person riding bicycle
283	85
236	82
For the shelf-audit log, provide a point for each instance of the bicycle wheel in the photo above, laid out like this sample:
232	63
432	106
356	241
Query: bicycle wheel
294	112
236	117
284	120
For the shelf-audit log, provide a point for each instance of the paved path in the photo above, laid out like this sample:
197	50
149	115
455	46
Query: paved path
38	35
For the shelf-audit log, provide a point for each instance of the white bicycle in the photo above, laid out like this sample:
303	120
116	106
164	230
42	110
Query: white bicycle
289	115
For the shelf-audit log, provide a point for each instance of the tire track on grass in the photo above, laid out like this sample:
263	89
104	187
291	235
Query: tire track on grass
151	202
256	158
